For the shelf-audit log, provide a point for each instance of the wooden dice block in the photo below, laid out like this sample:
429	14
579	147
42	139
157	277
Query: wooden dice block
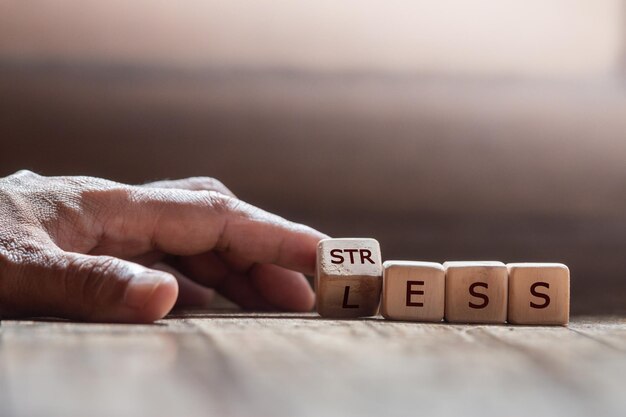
476	292
413	291
348	278
538	293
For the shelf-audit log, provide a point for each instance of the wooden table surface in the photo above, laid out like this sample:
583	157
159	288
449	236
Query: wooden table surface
270	364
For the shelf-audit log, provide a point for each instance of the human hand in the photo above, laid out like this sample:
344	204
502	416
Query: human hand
91	249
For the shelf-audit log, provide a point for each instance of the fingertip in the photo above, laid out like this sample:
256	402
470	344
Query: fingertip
162	300
306	256
313	234
150	296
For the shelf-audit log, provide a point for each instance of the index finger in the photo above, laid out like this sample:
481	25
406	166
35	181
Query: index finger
183	222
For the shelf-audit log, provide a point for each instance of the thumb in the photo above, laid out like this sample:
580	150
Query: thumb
95	288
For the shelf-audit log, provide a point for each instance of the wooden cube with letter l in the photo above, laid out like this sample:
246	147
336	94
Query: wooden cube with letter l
348	278
476	292
538	293
413	291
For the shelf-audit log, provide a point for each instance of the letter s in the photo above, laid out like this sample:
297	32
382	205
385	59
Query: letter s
545	297
479	295
336	253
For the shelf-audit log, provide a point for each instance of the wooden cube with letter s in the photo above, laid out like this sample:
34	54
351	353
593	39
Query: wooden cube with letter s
538	293
348	278
476	292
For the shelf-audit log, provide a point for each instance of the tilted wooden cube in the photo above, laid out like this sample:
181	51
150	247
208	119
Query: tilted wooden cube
476	292
538	293
413	291
348	277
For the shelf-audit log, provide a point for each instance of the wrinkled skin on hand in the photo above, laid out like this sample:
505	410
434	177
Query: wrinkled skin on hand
91	249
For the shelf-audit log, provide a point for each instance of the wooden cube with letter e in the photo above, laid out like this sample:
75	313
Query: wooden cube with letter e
348	278
538	293
476	292
413	291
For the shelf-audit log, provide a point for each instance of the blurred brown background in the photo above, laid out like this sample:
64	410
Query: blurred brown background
448	130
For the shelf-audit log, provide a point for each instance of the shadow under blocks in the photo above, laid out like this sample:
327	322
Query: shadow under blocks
352	281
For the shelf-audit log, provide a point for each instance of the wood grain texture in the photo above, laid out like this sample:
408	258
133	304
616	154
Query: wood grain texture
271	364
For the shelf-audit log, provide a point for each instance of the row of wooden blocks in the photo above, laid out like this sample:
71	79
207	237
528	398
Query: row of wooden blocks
350	278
